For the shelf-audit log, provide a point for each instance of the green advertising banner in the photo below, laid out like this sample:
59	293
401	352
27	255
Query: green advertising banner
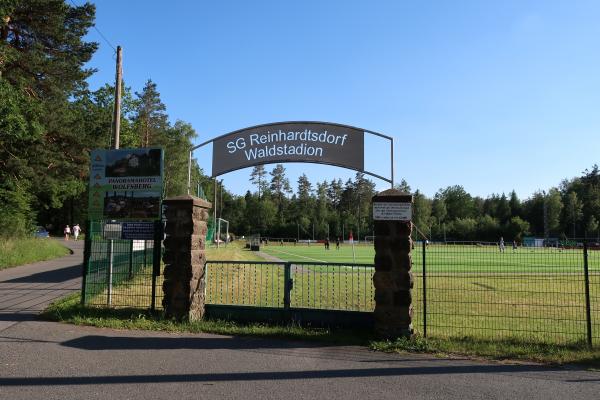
126	184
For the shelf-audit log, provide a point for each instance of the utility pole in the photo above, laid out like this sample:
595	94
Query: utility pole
573	215
117	110
221	203
546	228
215	210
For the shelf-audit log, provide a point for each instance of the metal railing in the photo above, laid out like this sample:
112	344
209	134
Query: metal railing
119	273
548	295
325	286
529	294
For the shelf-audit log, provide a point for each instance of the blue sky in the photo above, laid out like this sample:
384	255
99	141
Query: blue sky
490	95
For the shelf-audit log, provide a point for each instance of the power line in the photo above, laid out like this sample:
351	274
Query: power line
98	30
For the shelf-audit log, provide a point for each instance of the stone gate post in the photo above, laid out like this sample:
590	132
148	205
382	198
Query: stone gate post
184	258
393	281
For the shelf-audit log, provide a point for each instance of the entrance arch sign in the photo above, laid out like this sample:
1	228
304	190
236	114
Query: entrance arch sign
289	142
295	141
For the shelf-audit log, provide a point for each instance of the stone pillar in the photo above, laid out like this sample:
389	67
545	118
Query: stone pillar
393	279
184	258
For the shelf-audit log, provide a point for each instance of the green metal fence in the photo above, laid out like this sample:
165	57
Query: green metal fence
339	294
119	273
325	286
479	290
549	295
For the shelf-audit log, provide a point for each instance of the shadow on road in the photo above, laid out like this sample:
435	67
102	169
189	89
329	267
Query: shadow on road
53	276
18	316
269	375
92	342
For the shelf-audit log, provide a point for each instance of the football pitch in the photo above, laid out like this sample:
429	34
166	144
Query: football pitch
446	258
362	254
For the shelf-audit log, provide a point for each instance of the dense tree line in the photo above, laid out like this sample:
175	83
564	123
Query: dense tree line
568	211
333	208
311	210
50	119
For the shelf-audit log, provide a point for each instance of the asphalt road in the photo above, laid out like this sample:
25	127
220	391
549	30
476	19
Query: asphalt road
45	360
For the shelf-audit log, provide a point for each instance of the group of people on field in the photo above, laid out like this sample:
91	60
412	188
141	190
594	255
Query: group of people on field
337	243
501	244
76	230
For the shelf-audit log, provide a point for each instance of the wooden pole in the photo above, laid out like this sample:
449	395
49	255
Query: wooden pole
117	111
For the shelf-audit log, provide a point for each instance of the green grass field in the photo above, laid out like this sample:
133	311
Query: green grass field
450	258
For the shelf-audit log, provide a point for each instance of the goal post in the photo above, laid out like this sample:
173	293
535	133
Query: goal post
220	222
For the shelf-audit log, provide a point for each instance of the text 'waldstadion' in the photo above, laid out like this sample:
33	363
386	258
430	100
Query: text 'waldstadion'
259	146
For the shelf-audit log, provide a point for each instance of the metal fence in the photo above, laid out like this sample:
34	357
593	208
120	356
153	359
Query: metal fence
119	273
529	294
549	295
324	286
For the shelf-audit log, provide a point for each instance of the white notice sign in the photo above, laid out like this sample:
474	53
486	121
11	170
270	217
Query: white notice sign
392	211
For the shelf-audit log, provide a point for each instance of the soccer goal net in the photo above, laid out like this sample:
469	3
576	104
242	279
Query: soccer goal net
369	239
222	235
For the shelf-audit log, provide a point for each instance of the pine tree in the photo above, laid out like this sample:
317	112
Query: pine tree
42	154
257	177
151	118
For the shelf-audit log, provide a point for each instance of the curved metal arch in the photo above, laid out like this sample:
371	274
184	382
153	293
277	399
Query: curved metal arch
291	122
391	139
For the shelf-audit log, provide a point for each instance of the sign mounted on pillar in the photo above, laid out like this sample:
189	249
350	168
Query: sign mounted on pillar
314	142
392	211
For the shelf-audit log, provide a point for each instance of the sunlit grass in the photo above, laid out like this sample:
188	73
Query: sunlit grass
19	251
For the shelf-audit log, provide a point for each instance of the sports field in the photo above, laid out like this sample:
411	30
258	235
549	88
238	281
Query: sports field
445	258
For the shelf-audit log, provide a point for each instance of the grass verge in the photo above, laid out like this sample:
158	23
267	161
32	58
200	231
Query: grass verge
234	251
69	310
14	252
504	349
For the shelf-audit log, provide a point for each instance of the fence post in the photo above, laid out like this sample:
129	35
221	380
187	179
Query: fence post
287	285
109	273
424	290
393	279
184	257
87	247
588	313
130	259
156	257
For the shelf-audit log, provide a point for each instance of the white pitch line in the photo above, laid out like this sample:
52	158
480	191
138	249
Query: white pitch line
298	255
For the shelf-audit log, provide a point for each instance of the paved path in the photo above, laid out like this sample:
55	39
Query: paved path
45	360
25	291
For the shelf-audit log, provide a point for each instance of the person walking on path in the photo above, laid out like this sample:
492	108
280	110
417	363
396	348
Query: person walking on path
67	232
76	231
501	244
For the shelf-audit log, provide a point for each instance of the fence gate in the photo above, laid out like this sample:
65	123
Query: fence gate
117	272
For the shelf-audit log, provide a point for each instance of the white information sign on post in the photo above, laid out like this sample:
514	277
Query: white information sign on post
388	211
